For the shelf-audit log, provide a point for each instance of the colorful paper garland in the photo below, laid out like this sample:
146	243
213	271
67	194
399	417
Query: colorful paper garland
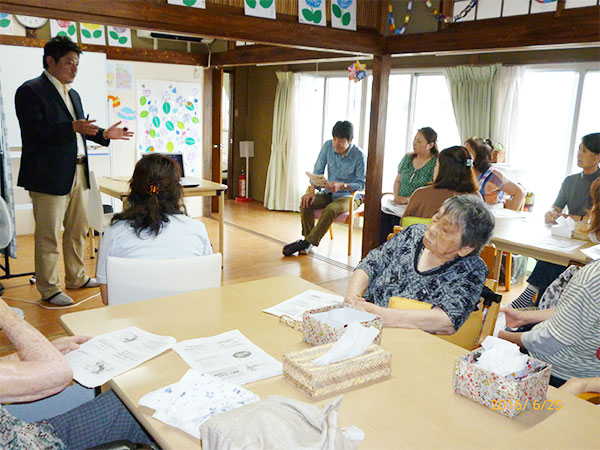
392	21
446	19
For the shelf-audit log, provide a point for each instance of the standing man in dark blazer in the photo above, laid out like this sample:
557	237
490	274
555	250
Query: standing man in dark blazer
54	166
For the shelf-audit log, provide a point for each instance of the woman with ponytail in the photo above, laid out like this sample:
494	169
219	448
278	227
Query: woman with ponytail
154	223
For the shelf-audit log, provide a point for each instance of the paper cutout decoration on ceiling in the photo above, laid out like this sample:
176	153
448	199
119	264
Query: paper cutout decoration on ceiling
63	28
260	8
6	23
312	12
343	14
192	3
92	33
119	37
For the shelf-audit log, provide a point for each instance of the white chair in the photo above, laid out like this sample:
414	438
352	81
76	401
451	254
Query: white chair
97	219
131	280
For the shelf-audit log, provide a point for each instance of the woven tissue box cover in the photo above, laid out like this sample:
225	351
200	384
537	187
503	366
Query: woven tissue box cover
318	381
317	332
508	395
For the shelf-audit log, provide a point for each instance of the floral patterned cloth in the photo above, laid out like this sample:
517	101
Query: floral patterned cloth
18	435
455	287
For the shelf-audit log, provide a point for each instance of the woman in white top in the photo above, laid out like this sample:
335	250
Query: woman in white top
155	223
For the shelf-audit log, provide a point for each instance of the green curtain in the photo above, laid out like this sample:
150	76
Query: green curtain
472	91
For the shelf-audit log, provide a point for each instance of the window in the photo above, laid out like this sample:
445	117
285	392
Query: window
551	123
416	100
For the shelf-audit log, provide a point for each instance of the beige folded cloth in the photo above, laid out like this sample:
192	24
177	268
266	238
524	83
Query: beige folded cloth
277	423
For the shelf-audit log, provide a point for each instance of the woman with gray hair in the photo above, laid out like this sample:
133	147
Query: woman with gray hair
437	263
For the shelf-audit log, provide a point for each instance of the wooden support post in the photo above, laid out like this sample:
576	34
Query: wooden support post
379	100
217	170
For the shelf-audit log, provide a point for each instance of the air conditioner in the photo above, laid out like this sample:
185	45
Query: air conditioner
147	34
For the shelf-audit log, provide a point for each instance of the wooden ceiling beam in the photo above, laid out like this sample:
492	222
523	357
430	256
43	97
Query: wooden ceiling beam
214	21
263	54
120	53
573	26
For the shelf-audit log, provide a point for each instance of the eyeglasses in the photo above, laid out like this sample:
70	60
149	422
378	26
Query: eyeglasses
290	322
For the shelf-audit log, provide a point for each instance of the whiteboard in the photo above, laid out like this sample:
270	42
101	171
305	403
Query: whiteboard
19	64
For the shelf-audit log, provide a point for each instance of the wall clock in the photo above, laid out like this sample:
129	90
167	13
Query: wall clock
31	21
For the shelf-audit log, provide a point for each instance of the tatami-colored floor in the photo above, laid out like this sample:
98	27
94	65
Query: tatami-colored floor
253	240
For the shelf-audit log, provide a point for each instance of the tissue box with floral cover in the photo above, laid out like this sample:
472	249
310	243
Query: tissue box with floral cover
318	381
325	325
509	395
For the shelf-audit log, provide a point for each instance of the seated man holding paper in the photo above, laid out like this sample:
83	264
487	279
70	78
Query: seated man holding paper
346	170
568	336
38	370
437	264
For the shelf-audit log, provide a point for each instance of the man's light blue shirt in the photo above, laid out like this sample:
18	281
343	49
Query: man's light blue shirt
350	169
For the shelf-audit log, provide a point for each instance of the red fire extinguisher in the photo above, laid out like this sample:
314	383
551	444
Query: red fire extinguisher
242	188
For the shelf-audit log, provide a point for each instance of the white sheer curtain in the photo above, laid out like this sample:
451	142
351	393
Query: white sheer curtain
505	112
472	91
281	190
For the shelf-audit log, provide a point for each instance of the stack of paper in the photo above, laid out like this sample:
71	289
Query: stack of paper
229	356
195	398
104	357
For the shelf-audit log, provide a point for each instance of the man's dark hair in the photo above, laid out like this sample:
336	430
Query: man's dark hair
59	46
343	130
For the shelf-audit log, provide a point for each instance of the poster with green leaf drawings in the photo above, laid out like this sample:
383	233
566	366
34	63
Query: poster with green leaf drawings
119	36
343	14
193	3
6	23
92	33
260	8
64	28
169	120
312	12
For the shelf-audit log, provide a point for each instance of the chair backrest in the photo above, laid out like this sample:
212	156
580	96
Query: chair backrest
411	220
488	254
130	280
95	208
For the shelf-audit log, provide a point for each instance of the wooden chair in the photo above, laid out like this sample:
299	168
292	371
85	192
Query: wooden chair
406	222
476	328
347	218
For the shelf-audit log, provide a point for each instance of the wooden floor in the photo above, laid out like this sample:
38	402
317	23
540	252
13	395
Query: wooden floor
253	240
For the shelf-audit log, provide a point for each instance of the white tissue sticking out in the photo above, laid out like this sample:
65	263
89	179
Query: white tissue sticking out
501	357
353	342
340	317
564	227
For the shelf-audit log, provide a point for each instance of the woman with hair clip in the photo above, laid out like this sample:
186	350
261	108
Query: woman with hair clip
453	175
492	183
414	171
154	223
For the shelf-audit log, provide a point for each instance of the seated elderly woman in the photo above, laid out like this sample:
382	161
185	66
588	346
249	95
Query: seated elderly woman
437	264
154	224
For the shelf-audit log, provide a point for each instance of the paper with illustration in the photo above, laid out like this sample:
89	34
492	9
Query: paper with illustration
104	357
294	307
229	356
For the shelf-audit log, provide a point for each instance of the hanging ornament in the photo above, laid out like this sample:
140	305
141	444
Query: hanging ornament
446	19
392	22
357	71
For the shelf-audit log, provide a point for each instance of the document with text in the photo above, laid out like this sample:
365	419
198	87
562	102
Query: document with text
104	357
229	356
294	307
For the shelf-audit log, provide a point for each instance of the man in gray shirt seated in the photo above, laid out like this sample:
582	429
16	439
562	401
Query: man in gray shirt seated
346	171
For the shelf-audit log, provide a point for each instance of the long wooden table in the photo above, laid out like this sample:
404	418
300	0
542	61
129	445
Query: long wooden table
415	408
118	187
